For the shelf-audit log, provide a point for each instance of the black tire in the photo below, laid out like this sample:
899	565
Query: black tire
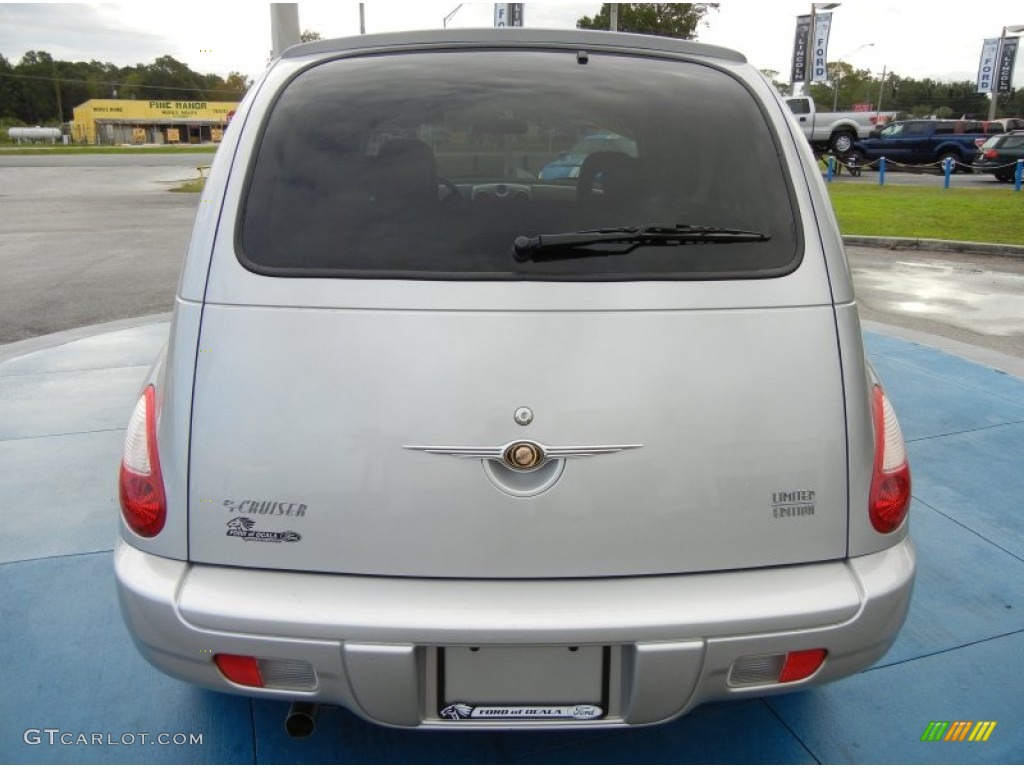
842	142
949	156
1004	176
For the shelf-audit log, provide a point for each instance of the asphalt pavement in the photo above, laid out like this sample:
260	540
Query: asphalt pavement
93	238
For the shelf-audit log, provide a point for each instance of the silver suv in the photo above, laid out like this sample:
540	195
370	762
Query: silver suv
454	446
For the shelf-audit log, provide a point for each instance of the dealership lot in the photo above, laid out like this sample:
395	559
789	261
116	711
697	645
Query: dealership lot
77	691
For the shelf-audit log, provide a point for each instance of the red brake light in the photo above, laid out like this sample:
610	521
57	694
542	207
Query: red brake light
990	154
801	664
143	503
244	670
889	500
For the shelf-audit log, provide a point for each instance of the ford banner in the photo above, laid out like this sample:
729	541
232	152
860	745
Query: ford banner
819	52
987	65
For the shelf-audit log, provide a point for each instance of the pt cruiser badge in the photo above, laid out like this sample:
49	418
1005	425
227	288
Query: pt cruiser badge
521	455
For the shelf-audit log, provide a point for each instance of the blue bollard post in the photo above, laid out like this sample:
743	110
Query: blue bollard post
948	170
881	171
831	167
1017	175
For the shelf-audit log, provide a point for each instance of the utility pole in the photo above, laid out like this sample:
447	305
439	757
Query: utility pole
56	84
614	13
446	19
362	19
284	27
881	89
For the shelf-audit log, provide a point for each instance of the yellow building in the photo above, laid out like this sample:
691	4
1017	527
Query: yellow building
130	121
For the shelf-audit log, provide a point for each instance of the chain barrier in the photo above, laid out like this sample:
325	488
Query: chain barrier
835	165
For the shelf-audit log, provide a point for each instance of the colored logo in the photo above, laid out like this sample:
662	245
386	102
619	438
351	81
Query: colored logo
958	730
242	528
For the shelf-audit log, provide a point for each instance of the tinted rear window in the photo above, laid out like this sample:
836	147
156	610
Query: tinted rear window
429	165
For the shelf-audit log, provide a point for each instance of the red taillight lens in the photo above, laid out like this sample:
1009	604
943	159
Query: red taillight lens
244	670
801	664
990	154
889	500
141	485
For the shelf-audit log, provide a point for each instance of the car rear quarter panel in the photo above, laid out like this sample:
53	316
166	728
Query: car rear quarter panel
172	376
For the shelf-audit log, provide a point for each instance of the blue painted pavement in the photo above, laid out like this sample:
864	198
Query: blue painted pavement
69	665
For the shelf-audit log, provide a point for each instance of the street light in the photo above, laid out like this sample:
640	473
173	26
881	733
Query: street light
449	16
839	78
999	59
815	7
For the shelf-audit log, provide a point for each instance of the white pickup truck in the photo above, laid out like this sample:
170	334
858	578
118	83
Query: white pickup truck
834	131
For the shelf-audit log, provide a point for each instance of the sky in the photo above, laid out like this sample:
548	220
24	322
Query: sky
913	38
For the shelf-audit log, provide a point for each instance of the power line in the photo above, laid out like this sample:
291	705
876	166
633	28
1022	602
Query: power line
117	85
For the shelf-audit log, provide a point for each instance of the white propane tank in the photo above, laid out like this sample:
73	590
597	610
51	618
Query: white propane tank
34	134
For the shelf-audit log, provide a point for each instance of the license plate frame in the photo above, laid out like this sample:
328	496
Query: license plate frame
507	684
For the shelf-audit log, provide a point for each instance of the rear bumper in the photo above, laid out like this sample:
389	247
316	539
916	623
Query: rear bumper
373	641
994	167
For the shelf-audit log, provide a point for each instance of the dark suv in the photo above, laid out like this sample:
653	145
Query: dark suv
999	155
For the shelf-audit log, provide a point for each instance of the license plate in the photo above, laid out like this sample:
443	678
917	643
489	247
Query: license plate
499	683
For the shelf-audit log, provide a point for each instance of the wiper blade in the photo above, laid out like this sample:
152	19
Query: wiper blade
574	245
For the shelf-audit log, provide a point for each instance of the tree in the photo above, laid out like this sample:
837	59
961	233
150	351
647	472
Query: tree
665	19
1012	104
773	76
309	36
234	87
10	88
28	90
854	86
35	98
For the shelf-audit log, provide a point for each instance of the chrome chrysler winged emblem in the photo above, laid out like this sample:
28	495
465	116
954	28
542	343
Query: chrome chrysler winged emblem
521	455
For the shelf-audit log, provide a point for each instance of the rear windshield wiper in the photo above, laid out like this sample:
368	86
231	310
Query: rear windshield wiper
575	245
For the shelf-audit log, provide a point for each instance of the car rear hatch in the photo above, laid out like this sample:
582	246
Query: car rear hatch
372	368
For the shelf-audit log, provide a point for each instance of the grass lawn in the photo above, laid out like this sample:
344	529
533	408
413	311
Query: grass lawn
977	215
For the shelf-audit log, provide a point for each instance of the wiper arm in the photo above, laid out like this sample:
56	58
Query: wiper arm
574	245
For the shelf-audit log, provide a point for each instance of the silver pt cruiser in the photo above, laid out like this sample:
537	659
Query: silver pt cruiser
453	445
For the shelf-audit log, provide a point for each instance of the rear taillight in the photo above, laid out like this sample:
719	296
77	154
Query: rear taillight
244	670
990	154
281	674
890	481
801	664
143	503
789	667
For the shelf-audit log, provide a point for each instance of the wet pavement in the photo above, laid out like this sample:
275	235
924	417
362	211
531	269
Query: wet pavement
76	691
968	296
972	298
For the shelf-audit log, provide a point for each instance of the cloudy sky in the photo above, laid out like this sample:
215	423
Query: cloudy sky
914	38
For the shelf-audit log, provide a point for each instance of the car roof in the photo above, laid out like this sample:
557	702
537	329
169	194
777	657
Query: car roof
515	37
